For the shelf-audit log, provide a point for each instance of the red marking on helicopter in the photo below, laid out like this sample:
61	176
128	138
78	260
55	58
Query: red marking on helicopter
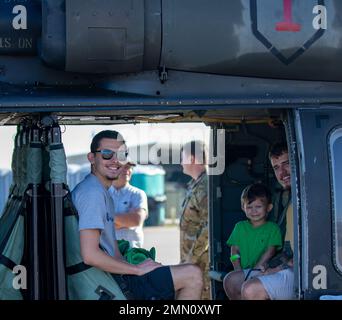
287	24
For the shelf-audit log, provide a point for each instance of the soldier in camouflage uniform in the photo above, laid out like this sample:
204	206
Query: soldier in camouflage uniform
194	218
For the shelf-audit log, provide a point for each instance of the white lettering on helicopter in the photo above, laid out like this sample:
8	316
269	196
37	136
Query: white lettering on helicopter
21	43
20	280
5	43
321	20
320	280
25	43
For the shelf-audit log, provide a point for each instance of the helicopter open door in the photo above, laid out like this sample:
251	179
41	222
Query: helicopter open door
245	157
319	143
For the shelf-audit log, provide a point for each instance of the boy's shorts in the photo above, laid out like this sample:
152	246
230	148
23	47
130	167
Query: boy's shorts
155	285
279	285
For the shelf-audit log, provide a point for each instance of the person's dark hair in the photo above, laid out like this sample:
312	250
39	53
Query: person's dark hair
109	134
197	149
254	191
277	149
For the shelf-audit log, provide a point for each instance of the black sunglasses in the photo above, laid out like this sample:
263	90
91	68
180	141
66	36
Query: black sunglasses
107	154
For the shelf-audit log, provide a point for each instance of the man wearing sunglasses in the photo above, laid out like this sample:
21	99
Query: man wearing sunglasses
147	280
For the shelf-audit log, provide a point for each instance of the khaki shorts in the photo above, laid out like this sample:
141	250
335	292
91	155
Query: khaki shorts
279	285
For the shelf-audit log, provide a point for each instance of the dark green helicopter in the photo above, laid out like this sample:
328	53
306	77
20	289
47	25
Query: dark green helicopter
254	71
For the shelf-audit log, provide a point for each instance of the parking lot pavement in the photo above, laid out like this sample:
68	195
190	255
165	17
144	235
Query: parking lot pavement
166	241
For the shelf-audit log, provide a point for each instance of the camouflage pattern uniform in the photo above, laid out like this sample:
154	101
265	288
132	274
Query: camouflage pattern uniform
194	229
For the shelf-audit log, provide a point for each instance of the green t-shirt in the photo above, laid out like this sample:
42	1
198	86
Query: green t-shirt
254	241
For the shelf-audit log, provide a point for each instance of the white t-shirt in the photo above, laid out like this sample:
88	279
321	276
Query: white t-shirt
126	199
95	209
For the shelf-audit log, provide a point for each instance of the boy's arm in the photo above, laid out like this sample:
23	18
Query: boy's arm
236	261
269	253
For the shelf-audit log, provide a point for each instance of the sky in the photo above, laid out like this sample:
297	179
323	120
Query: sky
76	139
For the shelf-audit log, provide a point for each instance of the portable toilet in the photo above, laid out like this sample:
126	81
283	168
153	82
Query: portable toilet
151	179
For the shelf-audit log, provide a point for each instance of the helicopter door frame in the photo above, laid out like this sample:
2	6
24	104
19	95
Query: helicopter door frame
214	205
289	121
319	273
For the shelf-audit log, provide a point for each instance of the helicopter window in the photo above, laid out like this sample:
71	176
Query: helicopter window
336	161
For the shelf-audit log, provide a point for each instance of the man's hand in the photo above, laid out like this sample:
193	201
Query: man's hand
147	266
290	263
261	267
118	226
271	270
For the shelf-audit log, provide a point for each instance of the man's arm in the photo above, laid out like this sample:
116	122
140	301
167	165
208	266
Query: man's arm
283	266
137	214
132	218
92	255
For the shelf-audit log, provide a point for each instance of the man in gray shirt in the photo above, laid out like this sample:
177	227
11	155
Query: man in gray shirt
95	210
147	280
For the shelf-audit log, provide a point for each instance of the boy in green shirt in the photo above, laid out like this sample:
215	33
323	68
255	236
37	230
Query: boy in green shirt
254	241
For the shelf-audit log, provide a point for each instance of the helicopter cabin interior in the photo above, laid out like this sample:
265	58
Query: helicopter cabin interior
248	133
233	65
247	136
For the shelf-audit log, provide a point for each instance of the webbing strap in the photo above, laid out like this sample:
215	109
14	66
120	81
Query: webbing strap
56	146
77	268
36	145
7	262
122	283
